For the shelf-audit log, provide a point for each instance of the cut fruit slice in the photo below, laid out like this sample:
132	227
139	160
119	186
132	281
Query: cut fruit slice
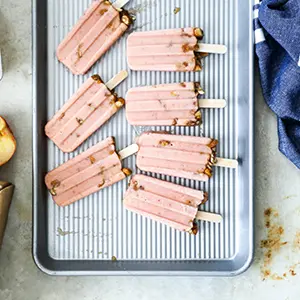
7	142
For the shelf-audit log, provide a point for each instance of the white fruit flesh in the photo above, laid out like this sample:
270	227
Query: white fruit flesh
7	142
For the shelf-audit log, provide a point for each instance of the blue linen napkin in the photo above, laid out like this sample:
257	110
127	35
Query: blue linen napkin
277	43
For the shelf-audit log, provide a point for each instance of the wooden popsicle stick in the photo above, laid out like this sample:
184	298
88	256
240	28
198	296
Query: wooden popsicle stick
128	151
212	48
120	3
210	217
226	163
116	80
211	103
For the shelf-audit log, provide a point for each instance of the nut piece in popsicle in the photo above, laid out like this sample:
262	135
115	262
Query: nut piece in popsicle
96	31
7	142
87	173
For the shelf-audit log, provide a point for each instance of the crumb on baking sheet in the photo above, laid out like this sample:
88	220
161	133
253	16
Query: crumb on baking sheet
176	10
62	232
142	7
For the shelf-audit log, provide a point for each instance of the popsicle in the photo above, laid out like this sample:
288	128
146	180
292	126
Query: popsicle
190	157
87	173
168	104
85	112
169	50
96	31
168	203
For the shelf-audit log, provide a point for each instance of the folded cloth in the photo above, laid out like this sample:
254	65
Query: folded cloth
277	43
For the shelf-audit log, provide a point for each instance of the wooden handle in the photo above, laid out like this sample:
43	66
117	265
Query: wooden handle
226	163
128	151
119	4
210	217
116	80
212	48
211	103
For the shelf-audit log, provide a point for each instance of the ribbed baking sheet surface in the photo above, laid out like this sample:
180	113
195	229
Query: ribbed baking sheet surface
98	227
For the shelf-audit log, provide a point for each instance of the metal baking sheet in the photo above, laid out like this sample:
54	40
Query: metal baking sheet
82	238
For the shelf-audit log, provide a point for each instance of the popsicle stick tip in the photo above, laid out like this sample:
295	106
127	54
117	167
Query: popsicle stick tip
226	163
209	217
120	3
212	48
212	103
128	151
222	49
117	79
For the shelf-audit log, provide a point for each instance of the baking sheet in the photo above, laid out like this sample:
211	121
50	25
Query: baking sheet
82	238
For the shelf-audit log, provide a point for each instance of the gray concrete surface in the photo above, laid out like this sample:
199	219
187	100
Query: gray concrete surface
277	185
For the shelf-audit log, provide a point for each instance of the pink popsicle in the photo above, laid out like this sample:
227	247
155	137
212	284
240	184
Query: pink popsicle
164	104
85	112
176	155
165	50
171	204
96	31
87	173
